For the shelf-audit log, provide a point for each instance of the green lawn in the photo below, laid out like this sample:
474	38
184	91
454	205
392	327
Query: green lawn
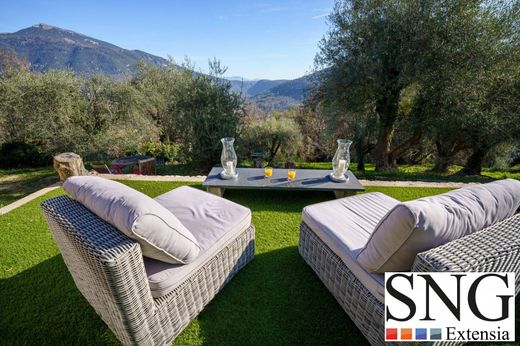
276	299
18	183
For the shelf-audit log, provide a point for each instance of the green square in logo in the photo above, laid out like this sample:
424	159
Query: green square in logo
435	334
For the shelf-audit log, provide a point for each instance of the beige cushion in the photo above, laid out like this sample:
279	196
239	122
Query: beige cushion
345	225
161	235
425	223
214	221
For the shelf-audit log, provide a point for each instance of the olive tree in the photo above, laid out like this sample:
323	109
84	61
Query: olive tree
43	109
375	51
203	110
272	136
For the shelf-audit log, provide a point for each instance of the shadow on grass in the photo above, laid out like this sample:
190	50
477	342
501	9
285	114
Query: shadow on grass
276	299
11	191
42	306
277	201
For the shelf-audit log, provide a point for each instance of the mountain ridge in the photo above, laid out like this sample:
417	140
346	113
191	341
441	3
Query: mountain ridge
47	47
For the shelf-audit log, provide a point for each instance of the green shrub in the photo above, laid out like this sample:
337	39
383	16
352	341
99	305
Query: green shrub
277	138
166	151
22	155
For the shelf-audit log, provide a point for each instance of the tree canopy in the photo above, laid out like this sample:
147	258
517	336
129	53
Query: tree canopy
446	57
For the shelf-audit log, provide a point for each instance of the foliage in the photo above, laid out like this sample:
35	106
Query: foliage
10	62
21	154
414	65
203	111
270	102
317	141
370	53
160	88
115	119
100	118
163	150
504	157
43	109
272	136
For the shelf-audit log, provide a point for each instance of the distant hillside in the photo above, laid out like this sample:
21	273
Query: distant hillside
272	95
48	47
269	102
241	86
295	88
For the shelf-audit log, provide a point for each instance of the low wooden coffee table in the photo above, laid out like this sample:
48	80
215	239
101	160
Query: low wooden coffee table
306	179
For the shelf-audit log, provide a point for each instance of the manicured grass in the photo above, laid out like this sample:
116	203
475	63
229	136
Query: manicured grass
276	299
17	183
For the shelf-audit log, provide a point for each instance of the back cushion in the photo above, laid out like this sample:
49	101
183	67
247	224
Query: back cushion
416	226
161	235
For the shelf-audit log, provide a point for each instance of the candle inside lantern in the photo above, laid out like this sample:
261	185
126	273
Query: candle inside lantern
229	168
341	167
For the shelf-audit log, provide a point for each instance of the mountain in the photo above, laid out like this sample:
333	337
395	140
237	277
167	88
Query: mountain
238	78
48	47
264	85
270	95
294	89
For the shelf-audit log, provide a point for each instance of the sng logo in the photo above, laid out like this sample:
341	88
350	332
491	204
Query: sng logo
458	307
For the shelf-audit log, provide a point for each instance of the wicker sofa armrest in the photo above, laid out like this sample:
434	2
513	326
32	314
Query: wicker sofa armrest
496	248
107	267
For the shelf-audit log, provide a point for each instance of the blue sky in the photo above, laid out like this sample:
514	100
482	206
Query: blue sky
255	39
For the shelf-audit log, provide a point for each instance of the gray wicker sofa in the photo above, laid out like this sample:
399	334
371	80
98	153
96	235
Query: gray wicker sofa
333	234
145	301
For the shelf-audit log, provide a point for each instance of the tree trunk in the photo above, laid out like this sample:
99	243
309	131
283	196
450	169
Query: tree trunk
442	164
445	155
69	164
398	151
361	161
382	148
473	165
387	109
446	151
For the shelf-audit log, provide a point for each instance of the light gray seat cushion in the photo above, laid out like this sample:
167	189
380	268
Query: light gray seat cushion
160	234
425	223
214	221
345	225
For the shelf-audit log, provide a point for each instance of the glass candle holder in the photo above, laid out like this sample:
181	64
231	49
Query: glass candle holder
228	158
341	160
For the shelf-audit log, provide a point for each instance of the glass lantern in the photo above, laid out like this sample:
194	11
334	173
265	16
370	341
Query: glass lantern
341	161
228	158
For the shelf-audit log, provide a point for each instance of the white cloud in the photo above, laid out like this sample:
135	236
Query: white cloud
320	15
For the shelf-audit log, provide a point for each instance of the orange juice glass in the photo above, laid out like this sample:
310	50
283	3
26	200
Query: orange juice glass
268	172
291	174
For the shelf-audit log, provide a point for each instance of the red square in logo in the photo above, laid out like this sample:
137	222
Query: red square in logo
391	333
406	333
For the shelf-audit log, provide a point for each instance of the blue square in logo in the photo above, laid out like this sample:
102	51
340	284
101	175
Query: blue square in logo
421	334
435	334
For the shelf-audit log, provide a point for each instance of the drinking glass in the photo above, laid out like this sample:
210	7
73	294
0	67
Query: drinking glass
291	174
268	172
